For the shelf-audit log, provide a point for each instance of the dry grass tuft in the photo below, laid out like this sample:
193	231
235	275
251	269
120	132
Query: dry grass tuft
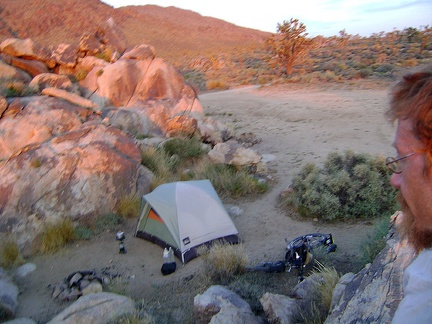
10	254
330	278
128	206
57	235
222	262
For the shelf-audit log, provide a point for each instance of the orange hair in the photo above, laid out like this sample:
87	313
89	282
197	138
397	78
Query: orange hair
411	98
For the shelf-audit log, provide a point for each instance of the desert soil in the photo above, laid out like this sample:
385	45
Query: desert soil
295	125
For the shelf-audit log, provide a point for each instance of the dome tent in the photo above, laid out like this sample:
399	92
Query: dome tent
184	215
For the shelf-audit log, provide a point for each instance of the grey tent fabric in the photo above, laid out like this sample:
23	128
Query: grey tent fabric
185	215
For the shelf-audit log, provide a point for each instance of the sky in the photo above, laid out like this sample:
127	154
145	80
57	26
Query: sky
321	17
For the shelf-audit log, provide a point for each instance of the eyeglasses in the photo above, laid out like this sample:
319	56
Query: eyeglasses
394	165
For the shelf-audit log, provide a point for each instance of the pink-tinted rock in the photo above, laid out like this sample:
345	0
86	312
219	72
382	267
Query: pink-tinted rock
161	81
118	81
65	55
68	96
90	44
3	105
181	125
9	72
36	122
27	48
80	174
111	35
32	67
140	52
48	80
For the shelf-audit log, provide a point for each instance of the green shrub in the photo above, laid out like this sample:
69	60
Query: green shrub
162	165
56	235
222	262
12	88
348	186
228	181
107	222
83	233
184	148
195	78
184	159
10	254
375	242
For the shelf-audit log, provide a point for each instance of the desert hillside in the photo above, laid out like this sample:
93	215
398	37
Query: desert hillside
51	22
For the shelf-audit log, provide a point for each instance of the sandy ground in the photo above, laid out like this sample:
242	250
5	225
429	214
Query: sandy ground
295	125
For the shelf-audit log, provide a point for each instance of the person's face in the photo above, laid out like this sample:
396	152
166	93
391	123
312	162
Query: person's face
415	186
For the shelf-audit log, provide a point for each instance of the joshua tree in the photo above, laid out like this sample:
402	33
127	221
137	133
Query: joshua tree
290	44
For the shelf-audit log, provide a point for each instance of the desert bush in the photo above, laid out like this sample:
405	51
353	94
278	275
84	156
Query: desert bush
107	222
196	78
83	233
128	206
347	186
165	162
227	180
222	261
106	54
10	254
81	74
217	85
374	243
36	162
184	148
409	63
13	88
56	235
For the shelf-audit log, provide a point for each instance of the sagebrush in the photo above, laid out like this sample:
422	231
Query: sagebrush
348	186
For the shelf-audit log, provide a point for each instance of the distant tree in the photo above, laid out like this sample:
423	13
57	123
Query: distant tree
412	34
344	38
426	37
290	44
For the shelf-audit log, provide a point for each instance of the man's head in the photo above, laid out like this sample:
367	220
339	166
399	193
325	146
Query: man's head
411	106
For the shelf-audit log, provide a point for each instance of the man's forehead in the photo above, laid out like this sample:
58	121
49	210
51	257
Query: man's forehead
405	137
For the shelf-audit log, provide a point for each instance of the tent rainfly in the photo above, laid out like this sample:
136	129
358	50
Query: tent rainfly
184	215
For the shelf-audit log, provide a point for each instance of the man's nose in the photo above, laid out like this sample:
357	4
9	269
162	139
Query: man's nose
395	180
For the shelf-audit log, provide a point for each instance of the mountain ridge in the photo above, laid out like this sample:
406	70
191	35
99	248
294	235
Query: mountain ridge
174	32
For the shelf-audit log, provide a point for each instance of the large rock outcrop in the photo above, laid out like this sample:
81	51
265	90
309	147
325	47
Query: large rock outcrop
220	305
96	308
373	294
79	174
68	149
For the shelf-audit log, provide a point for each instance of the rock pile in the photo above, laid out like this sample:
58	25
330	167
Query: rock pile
80	283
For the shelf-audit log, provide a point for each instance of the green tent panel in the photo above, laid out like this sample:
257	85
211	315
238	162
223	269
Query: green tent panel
184	215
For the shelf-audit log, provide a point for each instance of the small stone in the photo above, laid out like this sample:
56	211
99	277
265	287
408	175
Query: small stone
93	287
75	278
57	291
84	283
25	269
